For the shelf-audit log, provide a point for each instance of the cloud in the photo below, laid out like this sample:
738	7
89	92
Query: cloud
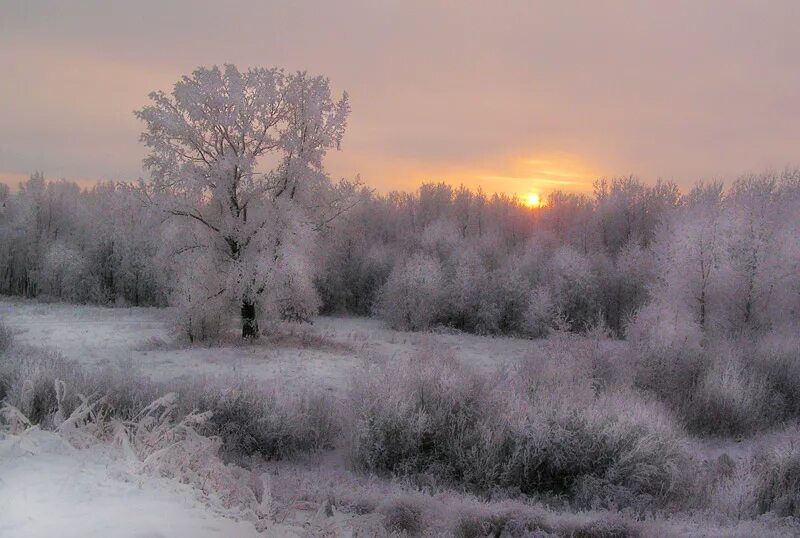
682	90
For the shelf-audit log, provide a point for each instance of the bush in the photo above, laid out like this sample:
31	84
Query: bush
501	519
533	430
667	353
6	338
200	317
776	357
730	399
407	514
574	288
248	419
410	298
541	314
28	378
253	420
482	298
778	483
718	384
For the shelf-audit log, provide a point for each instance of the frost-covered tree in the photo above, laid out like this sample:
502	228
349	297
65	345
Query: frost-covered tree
410	300
689	250
751	254
574	288
238	155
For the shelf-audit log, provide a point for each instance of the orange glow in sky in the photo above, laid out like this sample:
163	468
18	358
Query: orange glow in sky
519	98
541	176
516	176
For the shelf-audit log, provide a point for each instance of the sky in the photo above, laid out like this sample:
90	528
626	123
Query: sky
513	96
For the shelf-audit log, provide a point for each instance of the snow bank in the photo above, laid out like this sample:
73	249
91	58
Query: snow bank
48	488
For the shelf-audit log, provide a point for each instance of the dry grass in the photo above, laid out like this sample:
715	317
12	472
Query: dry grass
249	418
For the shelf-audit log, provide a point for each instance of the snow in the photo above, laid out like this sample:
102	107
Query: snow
48	488
139	339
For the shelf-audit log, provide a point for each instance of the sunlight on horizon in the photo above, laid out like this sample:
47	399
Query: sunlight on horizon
513	176
521	177
533	200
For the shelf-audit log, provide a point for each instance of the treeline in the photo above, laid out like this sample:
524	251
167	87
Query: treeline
61	242
725	259
489	264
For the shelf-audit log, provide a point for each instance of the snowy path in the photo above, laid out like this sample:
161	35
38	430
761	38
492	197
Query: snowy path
47	489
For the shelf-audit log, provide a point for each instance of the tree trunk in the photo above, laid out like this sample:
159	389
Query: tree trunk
249	323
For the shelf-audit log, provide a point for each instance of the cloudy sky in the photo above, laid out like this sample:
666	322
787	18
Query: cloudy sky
516	96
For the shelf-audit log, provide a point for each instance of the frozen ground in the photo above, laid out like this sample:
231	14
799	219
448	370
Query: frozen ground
48	488
323	355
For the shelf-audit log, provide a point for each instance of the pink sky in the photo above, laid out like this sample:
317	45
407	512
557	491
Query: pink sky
515	96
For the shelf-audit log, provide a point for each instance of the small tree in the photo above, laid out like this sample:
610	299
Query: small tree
212	143
410	300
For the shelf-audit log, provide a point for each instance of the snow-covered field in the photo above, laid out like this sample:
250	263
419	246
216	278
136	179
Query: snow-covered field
324	354
48	488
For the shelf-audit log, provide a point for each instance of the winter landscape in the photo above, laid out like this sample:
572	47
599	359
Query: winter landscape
476	333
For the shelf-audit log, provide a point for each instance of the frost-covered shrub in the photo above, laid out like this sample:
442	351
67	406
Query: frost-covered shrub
778	482
443	512
532	430
6	338
775	356
173	447
203	313
574	288
504	300
64	273
666	344
297	299
406	514
623	283
717	384
506	518
728	486
247	418
411	297
253	420
28	379
516	519
730	399
465	277
541	314
32	378
611	525
482	299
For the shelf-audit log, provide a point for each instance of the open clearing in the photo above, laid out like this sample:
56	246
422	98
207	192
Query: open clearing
40	473
323	355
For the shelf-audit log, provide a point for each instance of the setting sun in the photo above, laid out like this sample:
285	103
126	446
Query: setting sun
533	200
